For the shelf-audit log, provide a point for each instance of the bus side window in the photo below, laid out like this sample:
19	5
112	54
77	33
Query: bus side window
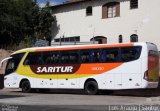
26	62
55	58
47	57
130	53
51	57
85	56
30	59
64	57
39	60
69	57
74	57
34	58
103	55
112	55
95	55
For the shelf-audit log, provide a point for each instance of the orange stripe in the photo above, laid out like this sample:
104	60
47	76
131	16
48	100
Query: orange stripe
86	47
97	68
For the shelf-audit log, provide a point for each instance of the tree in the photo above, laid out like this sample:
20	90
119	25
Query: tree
23	20
45	22
13	25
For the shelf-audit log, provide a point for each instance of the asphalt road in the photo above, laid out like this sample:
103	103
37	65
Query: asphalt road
75	100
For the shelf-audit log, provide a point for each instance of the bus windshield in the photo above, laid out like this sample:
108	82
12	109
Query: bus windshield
13	63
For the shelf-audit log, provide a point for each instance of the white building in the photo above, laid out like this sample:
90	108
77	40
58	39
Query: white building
108	21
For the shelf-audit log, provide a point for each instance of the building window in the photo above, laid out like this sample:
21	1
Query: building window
99	39
133	4
68	39
111	10
120	39
89	11
134	38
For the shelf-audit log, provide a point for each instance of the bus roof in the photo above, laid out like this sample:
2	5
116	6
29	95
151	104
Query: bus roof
72	47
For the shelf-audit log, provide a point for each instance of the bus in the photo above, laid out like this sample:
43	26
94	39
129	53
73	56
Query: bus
88	67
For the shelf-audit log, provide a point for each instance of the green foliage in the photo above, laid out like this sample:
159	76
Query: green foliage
23	19
45	22
25	43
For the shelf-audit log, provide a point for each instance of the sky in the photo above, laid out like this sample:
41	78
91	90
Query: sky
52	2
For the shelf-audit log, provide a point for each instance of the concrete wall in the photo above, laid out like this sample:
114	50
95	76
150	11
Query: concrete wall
144	21
3	54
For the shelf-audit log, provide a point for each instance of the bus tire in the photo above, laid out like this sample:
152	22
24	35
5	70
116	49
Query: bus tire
26	87
91	88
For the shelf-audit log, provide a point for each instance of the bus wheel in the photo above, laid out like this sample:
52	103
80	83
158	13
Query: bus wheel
26	87
91	88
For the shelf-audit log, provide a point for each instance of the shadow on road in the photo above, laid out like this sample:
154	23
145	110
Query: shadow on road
3	96
132	92
137	92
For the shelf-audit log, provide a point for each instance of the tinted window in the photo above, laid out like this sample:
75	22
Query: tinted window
42	58
95	55
34	58
110	55
130	53
85	56
51	57
68	57
74	57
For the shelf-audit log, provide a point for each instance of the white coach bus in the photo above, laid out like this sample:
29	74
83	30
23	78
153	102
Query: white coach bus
88	67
